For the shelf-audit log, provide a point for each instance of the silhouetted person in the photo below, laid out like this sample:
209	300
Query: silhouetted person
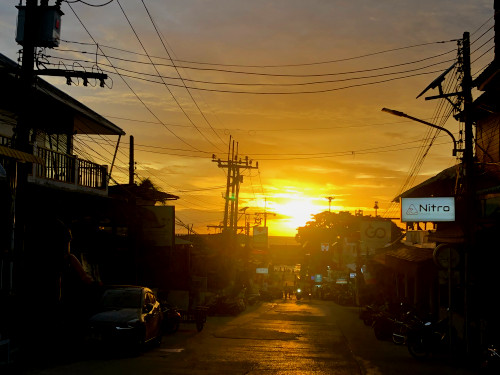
59	289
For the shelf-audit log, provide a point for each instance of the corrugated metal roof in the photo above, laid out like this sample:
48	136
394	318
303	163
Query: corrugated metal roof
411	254
20	156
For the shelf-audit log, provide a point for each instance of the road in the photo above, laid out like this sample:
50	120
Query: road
282	337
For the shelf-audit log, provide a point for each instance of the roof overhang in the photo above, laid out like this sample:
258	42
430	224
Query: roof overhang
51	104
20	156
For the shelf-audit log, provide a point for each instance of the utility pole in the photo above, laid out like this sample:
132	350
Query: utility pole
131	164
330	199
21	137
38	26
229	227
469	193
234	167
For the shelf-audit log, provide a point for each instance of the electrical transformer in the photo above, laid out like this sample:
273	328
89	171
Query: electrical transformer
47	26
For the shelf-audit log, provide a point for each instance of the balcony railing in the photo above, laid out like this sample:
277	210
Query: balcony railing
69	169
59	168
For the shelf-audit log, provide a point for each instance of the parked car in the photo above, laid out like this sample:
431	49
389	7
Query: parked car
126	315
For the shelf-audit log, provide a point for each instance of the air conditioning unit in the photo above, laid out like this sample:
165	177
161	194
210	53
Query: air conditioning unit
417	237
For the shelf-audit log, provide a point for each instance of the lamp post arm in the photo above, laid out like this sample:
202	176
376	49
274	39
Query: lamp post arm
402	114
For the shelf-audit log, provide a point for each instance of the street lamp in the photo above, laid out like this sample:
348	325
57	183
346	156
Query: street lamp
402	114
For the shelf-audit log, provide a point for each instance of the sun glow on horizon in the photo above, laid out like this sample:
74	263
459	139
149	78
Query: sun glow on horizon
293	212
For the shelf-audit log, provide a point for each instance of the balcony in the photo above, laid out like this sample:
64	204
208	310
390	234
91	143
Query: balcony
64	171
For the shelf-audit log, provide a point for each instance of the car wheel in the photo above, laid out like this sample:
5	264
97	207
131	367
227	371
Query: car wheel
158	339
140	341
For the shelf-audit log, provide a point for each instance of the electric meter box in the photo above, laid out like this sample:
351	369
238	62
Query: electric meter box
47	26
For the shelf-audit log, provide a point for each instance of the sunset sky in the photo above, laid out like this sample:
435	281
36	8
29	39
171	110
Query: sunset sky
299	85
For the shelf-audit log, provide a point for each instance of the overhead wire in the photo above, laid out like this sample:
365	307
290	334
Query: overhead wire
281	65
420	157
130	87
178	73
264	84
159	75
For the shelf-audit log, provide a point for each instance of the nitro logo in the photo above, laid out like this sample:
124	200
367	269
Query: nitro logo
412	210
428	209
434	208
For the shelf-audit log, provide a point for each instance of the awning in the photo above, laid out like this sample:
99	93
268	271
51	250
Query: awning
17	155
408	259
447	233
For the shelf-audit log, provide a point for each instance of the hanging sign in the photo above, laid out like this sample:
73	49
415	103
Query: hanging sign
428	209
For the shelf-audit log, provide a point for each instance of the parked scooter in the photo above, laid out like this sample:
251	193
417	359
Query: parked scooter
298	294
429	338
490	361
171	318
224	305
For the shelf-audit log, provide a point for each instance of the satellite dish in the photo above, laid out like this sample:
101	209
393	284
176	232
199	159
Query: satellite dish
437	82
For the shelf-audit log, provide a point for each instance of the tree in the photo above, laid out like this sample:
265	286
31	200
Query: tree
149	192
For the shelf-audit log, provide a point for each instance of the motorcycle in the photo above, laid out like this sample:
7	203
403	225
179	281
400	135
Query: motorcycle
428	338
298	294
171	318
402	325
370	313
224	306
490	361
390	321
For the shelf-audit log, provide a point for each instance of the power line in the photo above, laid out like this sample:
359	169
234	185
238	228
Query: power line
130	87
187	89
276	66
283	92
281	75
273	84
159	75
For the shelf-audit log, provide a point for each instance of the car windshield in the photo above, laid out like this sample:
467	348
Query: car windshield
121	298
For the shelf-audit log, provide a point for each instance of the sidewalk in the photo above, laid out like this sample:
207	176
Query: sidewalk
384	357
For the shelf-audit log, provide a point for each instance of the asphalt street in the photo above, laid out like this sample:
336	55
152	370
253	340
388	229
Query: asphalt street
280	337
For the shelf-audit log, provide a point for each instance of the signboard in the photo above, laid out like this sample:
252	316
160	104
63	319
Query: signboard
260	237
375	234
325	246
262	270
318	278
428	209
159	228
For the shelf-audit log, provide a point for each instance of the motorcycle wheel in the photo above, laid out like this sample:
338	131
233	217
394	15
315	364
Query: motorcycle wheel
398	339
398	336
417	348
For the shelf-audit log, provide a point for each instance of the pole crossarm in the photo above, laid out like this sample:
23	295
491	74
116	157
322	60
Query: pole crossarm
402	114
68	74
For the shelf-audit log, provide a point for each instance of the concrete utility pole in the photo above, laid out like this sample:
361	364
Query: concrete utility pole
469	193
131	164
38	26
21	135
234	167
